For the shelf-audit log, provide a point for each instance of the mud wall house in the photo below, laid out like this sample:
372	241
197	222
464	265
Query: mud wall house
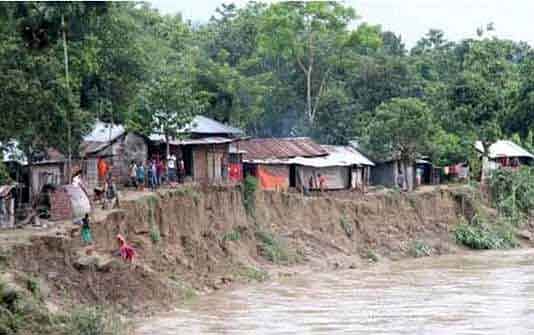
385	173
50	168
117	147
208	148
205	159
506	154
271	159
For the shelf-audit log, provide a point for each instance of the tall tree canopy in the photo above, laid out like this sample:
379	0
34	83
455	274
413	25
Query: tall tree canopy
282	69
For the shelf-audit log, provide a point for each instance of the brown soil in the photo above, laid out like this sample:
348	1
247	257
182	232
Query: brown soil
194	250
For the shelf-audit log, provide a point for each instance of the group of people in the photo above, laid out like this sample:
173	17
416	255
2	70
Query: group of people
155	172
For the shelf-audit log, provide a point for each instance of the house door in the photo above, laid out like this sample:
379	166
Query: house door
292	176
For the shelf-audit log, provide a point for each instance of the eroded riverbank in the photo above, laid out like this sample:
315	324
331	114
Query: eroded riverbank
472	293
195	241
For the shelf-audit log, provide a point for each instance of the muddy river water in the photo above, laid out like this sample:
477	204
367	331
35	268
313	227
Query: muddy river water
483	293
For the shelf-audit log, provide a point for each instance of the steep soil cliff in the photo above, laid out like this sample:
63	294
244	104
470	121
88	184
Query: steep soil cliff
193	239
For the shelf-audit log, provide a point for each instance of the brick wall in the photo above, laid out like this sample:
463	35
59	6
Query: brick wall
60	205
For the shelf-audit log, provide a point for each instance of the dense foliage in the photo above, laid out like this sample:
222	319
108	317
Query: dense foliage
477	235
275	69
512	192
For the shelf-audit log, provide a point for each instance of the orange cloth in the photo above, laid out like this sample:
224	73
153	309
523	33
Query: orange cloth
102	168
270	181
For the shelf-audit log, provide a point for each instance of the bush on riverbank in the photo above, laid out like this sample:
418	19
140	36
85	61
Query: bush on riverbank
250	185
274	249
479	234
23	312
512	193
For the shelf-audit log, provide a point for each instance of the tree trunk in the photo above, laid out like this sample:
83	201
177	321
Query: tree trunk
168	146
484	169
69	130
308	96
404	166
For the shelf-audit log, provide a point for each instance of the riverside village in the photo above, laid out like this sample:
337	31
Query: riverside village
265	168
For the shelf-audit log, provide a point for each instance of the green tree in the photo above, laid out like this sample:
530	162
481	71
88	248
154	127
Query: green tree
400	128
170	103
307	33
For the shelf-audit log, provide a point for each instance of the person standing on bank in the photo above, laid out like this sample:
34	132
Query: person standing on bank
322	182
133	174
181	171
171	168
86	231
140	172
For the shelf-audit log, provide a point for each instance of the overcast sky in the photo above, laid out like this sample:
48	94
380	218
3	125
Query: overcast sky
411	18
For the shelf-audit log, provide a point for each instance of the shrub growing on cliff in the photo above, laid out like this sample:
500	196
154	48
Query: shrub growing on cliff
347	227
512	193
273	249
155	236
232	235
32	284
371	255
480	235
250	185
94	321
420	249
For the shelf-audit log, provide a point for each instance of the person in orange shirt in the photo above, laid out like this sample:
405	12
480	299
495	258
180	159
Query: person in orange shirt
102	169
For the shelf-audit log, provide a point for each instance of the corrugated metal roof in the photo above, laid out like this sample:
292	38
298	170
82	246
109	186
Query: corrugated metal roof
101	136
51	156
280	148
346	155
204	125
192	141
504	148
337	156
104	132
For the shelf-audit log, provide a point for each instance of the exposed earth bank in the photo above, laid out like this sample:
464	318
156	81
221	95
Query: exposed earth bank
194	240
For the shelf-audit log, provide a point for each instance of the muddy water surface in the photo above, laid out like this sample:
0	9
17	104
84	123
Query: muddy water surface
486	293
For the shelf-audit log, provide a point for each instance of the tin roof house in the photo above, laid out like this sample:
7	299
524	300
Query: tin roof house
206	146
115	145
504	153
298	162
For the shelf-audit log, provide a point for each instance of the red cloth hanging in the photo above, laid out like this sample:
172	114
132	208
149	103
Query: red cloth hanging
235	172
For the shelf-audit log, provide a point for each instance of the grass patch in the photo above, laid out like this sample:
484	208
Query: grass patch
154	232
232	235
187	191
274	249
94	321
371	255
250	186
33	285
419	249
21	313
155	235
346	226
187	293
253	274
